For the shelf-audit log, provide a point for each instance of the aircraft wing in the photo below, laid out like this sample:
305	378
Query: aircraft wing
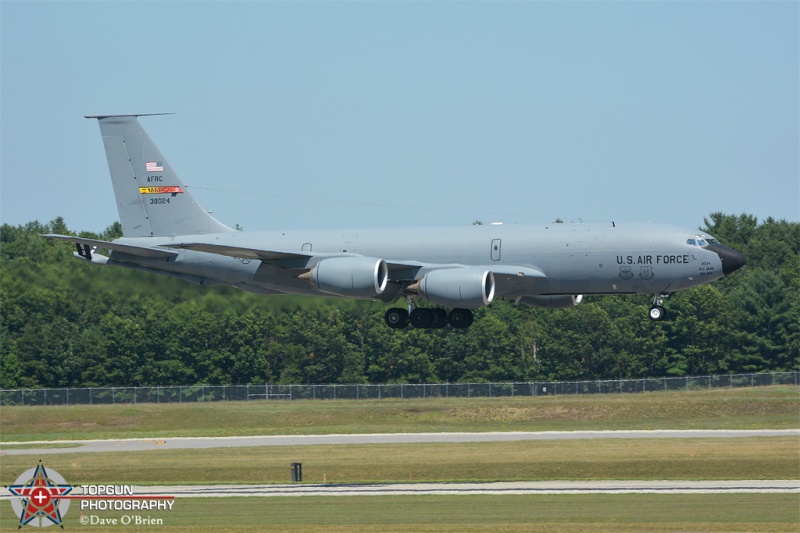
510	279
268	256
142	251
399	270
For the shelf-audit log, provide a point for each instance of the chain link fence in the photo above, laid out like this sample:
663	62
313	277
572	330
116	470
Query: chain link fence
215	393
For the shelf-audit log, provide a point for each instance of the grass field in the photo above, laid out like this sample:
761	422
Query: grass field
739	458
751	408
409	514
634	459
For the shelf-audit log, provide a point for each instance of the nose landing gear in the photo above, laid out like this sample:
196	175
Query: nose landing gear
657	311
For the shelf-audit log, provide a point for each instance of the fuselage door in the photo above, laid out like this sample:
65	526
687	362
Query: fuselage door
495	253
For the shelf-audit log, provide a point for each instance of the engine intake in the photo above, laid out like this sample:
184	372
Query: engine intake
457	287
362	277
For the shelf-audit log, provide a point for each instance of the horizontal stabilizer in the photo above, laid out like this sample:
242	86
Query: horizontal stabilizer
141	251
125	116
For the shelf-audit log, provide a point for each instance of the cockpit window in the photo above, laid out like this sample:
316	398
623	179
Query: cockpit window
702	241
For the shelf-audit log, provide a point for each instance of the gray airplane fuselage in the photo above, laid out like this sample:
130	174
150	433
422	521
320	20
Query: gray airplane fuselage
612	258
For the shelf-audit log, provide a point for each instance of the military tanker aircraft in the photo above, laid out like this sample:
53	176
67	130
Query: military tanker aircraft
457	269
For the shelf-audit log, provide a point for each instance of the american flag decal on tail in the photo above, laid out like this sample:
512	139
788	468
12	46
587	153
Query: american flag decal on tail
154	166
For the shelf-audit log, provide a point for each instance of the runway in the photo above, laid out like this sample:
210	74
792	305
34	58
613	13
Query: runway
175	443
504	488
497	488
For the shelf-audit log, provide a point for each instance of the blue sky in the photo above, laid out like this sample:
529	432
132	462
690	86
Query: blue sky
345	114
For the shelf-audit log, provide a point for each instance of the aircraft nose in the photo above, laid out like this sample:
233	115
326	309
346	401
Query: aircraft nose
731	259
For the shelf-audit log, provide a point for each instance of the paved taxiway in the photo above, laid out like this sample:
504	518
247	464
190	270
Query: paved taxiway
174	443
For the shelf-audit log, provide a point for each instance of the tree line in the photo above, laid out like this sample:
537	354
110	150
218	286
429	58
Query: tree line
64	323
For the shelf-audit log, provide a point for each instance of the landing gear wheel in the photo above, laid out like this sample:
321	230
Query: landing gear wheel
396	318
658	313
439	318
421	318
460	318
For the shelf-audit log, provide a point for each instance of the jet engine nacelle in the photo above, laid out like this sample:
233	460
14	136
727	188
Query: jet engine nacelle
563	301
361	277
457	287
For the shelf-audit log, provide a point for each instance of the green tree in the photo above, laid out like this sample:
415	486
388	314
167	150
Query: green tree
67	323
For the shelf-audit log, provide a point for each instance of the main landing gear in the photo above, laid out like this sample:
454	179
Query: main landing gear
422	318
657	312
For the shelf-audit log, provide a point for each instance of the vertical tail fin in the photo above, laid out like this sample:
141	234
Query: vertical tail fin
151	199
